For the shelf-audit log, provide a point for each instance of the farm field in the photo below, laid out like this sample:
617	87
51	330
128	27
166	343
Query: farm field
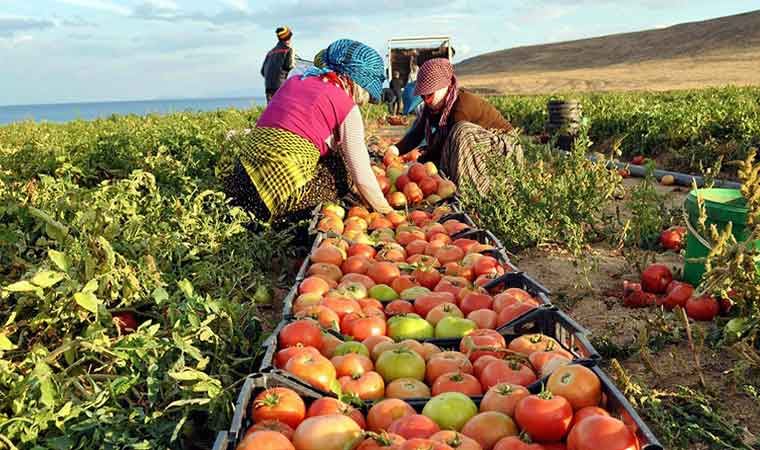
115	223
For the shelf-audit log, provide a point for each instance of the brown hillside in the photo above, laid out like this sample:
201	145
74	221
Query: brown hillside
712	52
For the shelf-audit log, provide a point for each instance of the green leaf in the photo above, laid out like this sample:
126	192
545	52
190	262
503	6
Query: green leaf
190	401
186	287
90	287
47	390
47	278
160	295
6	344
21	286
188	375
87	300
60	259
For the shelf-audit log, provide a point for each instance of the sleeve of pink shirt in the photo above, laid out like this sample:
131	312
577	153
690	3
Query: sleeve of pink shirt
355	153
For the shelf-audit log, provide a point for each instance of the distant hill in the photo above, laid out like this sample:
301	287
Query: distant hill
719	51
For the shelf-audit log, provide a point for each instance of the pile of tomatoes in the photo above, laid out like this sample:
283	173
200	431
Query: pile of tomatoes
567	414
658	288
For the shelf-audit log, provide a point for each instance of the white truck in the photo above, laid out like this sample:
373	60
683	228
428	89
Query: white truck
401	50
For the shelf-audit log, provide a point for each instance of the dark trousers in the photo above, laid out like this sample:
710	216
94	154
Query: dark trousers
270	93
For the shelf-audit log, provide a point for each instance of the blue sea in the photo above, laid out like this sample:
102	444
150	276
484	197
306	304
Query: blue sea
64	112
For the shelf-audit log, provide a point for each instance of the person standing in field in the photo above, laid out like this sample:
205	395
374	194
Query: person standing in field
308	146
410	100
278	62
463	132
396	86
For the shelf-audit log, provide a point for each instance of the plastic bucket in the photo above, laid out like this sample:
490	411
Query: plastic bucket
721	206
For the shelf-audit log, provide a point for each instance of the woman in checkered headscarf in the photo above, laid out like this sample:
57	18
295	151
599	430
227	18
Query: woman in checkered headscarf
462	131
308	145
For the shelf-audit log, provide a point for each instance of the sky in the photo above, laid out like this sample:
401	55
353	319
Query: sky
56	51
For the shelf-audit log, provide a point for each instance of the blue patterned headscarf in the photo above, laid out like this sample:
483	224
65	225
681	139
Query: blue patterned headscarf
359	61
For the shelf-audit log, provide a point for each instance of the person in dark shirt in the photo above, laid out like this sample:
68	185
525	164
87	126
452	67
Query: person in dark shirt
278	62
396	86
462	131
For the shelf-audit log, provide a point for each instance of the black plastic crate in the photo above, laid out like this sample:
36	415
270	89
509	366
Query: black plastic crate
253	385
547	320
616	404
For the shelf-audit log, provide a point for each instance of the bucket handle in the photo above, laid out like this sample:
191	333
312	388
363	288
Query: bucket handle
694	231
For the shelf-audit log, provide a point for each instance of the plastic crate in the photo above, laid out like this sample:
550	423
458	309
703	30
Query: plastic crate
617	405
253	385
547	320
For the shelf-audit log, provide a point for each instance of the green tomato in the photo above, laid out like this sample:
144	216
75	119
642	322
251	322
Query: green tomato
413	292
383	292
409	326
263	295
454	327
351	347
450	410
400	363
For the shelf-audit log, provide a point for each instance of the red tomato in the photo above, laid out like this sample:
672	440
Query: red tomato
678	294
328	405
359	249
456	440
326	317
402	283
482	342
398	307
511	372
445	362
449	253
457	382
545	417
366	386
515	443
585	412
503	398
536	342
384	412
383	272
313	369
474	301
283	356
655	278
601	432
281	404
672	238
416	247
364	327
481	363
485	265
428	278
265	440
512	312
330	432
351	364
414	426
703	308
407	388
382	441
489	427
355	264
638	160
424	444
271	425
484	318
304	332
125	321
424	303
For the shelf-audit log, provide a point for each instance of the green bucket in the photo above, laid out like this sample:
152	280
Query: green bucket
722	206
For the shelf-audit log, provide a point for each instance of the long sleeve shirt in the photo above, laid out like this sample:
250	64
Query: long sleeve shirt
468	107
278	62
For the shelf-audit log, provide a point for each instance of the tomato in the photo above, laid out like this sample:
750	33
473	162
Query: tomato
363	327
486	265
400	363
703	308
457	382
503	371
417	172
545	417
639	299
454	226
482	342
330	432
424	444
385	412
366	386
351	364
358	278
578	384
503	397
407	388
370	304
672	238
487	428
450	410
515	443
409	326
427	277
536	342
601	432
372	341
397	307
265	440
474	301
444	362
512	312
484	318
638	160
391	253
271	425
358	211
449	253
407	233
282	356
279	403
356	264
360	249
125	321
348	347
326	317
481	363
419	217
456	440
432	229
383	272
425	303
327	405
416	247
587	411
304	332
382	441
443	310
326	271
397	218
313	369
328	254
539	359
655	278
414	426
678	294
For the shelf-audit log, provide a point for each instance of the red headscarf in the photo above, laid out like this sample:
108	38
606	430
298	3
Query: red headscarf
437	73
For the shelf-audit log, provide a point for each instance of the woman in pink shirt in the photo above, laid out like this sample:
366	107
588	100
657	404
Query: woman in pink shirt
308	145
